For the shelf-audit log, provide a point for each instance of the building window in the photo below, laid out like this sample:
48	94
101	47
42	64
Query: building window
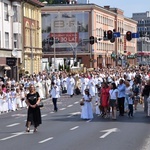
15	17
0	39
6	17
6	40
16	41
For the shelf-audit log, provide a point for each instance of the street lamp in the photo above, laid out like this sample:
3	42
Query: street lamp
143	33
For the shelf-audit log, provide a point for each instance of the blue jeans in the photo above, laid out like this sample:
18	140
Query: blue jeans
55	103
130	110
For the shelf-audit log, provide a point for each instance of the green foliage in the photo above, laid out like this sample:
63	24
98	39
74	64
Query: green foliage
68	68
60	67
50	64
55	1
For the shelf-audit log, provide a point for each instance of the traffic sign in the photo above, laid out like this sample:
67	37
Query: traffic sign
10	61
116	34
135	35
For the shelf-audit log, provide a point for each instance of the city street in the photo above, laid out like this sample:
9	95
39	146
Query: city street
65	130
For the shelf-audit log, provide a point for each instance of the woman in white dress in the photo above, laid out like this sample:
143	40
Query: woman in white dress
23	97
87	112
91	85
84	83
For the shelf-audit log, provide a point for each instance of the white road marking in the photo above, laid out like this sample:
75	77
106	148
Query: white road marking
52	112
76	102
75	113
74	128
88	120
69	105
109	131
9	137
62	109
48	139
69	116
44	115
11	125
19	115
15	135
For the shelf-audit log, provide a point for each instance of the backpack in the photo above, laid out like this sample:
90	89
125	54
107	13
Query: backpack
136	89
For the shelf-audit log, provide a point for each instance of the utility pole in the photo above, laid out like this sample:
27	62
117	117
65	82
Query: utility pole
54	53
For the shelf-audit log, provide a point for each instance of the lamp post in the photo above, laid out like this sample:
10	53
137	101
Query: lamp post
54	53
143	39
75	36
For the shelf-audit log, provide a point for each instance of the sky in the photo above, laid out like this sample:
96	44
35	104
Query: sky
128	6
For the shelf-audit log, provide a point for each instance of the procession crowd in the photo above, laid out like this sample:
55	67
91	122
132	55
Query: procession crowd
109	89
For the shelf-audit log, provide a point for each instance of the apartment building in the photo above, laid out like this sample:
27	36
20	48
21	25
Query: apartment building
10	38
143	46
73	24
32	47
20	37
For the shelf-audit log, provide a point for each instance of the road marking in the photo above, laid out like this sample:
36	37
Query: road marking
69	105
48	139
74	128
75	113
11	125
89	120
62	109
44	115
19	115
76	102
52	112
69	116
109	131
15	135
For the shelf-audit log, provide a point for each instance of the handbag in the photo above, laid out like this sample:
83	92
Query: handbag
41	104
81	102
148	99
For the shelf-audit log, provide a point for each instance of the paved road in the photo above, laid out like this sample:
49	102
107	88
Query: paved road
65	130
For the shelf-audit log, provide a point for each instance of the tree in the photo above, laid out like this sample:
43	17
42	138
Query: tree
55	1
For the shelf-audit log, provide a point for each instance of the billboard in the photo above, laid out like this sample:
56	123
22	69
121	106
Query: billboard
69	28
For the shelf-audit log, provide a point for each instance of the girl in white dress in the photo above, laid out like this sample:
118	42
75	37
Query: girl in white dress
87	112
13	99
18	98
2	101
8	98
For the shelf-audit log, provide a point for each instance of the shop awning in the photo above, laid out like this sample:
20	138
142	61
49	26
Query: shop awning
7	68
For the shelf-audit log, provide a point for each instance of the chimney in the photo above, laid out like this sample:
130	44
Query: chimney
72	1
107	7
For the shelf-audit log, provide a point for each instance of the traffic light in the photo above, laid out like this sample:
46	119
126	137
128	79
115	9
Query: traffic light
92	40
105	35
112	40
129	35
109	34
141	34
51	40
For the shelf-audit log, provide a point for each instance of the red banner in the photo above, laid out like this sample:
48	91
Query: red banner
66	37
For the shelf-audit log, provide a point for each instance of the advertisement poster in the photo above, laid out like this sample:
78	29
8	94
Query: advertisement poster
70	30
